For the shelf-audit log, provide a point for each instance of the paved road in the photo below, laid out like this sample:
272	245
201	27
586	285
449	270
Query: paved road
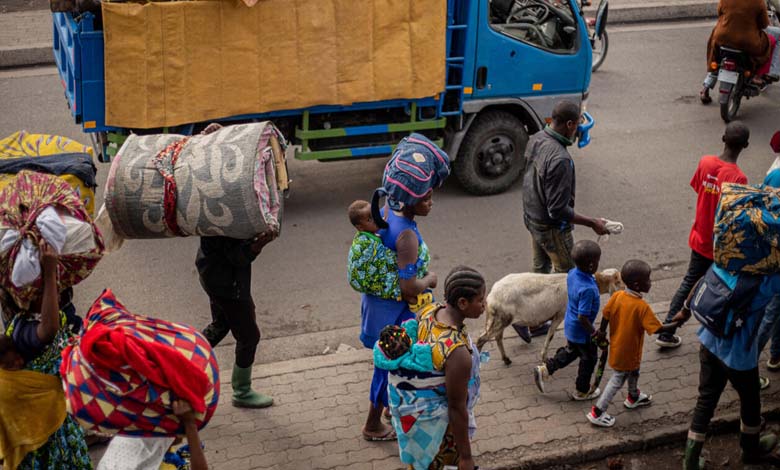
649	135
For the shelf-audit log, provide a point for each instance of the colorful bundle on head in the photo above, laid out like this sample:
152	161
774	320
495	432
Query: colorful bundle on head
394	341
415	169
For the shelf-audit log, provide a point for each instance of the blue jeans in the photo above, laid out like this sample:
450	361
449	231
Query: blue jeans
770	328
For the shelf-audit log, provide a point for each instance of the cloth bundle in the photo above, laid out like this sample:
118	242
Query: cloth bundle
127	369
50	154
219	184
747	229
372	268
35	207
416	167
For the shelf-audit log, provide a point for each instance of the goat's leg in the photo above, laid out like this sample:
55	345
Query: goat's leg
554	322
500	344
490	322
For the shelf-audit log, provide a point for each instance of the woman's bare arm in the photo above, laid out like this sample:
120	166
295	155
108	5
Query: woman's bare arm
407	247
457	372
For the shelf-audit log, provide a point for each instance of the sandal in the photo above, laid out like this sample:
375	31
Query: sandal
388	436
704	96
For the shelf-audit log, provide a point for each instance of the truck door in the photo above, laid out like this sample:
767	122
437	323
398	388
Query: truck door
534	49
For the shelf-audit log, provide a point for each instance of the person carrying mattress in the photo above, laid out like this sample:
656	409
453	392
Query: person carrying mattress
415	169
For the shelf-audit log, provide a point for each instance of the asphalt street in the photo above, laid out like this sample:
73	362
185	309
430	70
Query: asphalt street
650	132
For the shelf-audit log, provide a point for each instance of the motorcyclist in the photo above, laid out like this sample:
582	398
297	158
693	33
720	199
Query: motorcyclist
744	25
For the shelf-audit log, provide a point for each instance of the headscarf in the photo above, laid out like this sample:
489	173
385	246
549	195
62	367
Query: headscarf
415	169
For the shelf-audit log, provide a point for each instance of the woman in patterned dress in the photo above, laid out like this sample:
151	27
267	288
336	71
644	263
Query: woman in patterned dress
433	412
34	343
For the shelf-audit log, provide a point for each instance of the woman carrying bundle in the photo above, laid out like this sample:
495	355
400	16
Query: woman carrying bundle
35	431
415	169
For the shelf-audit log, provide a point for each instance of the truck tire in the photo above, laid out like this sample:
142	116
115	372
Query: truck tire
492	156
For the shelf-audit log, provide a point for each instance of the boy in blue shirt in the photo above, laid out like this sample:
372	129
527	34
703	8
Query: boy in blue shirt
732	360
581	311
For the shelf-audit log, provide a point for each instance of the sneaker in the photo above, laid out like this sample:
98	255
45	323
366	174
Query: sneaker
763	382
604	421
540	375
523	332
642	400
773	364
579	396
668	341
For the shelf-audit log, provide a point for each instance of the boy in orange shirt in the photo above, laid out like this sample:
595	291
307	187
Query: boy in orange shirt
628	316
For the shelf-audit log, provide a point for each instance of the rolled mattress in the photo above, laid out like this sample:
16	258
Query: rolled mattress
220	184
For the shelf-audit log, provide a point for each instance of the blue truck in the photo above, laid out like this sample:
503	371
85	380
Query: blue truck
507	63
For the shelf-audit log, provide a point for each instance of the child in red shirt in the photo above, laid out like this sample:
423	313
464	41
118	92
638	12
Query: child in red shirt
710	174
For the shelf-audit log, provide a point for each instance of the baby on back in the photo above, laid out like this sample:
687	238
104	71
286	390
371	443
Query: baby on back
372	268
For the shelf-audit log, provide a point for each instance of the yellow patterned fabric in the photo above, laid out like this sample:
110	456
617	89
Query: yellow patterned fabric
32	408
22	144
444	338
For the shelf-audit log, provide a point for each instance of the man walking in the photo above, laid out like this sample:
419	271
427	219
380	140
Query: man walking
711	173
225	268
548	196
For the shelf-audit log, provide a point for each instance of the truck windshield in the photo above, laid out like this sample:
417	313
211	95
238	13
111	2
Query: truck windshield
547	24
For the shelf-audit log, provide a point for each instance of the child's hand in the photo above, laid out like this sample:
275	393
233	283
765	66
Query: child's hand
433	280
183	411
600	339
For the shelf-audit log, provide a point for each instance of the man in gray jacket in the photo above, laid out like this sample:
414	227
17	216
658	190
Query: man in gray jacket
548	195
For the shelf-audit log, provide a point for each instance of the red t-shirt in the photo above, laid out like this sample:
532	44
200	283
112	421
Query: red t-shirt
706	181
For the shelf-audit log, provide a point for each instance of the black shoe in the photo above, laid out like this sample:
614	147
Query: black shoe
540	330
522	332
704	96
668	341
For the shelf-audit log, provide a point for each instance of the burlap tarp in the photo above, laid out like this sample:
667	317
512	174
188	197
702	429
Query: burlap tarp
174	63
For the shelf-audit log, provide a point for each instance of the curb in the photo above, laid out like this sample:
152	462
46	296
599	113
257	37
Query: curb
677	433
660	11
26	56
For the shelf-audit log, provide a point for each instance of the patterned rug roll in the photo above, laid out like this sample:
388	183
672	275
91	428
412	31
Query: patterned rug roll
220	184
130	393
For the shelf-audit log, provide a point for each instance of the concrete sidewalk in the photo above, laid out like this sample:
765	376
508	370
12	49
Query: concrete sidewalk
321	404
26	36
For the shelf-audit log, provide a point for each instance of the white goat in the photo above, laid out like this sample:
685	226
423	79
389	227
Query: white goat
531	299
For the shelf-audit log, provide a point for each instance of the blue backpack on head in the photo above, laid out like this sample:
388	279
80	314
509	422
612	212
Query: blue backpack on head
718	307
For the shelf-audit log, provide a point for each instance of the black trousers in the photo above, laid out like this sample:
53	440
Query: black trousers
588	356
697	267
713	376
239	318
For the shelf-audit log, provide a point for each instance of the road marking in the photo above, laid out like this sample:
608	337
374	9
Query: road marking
28	72
661	26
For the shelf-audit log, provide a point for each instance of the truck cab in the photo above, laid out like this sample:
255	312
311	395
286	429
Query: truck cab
508	62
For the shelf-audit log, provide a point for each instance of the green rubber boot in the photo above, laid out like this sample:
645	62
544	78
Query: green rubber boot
243	395
693	459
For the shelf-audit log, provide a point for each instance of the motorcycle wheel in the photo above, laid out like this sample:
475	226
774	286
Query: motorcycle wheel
729	109
600	47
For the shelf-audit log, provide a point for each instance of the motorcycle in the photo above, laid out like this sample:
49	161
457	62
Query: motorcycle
735	77
597	32
774	15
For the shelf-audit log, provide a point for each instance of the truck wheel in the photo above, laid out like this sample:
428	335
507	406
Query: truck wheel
492	156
